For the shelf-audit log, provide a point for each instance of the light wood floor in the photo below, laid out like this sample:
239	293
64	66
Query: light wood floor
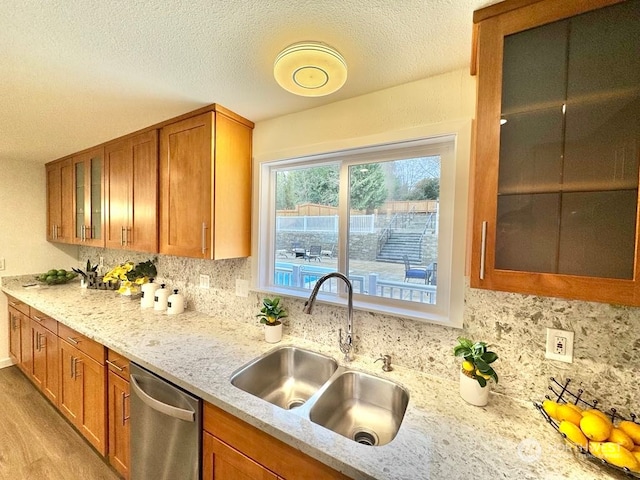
36	443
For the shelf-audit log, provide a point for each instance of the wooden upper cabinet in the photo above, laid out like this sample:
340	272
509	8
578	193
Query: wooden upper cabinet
59	201
88	196
557	149
205	187
131	193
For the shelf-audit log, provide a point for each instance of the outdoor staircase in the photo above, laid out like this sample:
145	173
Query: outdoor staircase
399	244
406	240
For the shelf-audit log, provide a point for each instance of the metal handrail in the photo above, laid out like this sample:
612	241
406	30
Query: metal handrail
386	232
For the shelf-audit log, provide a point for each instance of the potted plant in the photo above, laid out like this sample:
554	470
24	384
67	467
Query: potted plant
270	316
476	370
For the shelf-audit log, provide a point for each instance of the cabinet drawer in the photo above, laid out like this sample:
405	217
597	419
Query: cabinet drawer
45	320
118	364
18	305
92	348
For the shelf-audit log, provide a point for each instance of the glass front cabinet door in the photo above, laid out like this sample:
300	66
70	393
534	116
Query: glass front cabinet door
557	149
88	198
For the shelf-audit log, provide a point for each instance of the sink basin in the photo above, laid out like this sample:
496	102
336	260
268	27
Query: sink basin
286	377
364	408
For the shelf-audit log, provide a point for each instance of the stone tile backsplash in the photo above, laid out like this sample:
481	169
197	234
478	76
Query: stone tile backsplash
607	337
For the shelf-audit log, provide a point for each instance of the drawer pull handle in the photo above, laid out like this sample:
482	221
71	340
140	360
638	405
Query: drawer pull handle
37	319
72	340
120	369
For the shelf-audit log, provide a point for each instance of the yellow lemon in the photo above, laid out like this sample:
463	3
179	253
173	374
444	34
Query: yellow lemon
637	455
619	456
621	438
631	429
600	414
595	428
468	366
636	448
566	412
551	408
574	407
573	433
595	449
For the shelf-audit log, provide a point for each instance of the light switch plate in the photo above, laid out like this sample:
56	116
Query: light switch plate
559	345
204	281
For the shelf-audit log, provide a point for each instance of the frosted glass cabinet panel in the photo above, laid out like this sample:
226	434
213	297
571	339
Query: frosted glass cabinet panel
572	111
88	181
557	149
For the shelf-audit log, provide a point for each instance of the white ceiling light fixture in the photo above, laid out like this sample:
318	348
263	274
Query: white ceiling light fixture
310	69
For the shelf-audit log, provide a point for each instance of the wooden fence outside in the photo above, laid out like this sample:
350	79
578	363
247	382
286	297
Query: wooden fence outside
316	210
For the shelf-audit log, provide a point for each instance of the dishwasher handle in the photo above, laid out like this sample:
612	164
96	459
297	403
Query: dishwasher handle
179	413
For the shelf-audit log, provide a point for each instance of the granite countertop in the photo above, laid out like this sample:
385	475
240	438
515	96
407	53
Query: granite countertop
440	437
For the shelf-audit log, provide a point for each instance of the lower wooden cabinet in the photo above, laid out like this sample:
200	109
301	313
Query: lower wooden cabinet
26	346
46	361
220	461
15	347
118	401
83	394
234	449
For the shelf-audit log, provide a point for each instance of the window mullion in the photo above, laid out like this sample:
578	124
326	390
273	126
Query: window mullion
343	224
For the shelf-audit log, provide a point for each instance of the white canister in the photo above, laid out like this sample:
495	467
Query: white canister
148	294
160	299
175	303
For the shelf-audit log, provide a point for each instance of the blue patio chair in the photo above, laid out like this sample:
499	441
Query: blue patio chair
419	273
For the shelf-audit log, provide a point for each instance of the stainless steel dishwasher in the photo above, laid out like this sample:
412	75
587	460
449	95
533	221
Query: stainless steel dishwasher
166	425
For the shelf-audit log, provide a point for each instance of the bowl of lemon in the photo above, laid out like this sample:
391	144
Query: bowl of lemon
602	435
56	277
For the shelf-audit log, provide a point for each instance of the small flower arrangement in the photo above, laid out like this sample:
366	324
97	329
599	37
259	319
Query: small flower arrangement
271	312
477	360
131	276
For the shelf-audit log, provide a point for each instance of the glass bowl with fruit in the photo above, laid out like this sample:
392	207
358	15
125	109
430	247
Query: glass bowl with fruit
602	435
56	277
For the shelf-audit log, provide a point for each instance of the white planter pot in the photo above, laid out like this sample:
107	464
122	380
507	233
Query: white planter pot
471	391
273	333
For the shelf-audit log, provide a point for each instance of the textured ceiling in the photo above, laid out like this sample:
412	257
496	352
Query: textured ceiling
75	73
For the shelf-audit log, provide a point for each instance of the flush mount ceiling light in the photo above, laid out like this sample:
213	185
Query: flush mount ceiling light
310	69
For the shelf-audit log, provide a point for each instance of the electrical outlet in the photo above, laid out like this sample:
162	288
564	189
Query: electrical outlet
204	281
2	266
559	345
101	262
242	288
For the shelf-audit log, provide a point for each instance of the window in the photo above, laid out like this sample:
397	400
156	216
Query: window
382	215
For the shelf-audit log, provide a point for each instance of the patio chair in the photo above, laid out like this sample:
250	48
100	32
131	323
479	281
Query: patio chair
329	252
432	271
297	249
419	273
313	253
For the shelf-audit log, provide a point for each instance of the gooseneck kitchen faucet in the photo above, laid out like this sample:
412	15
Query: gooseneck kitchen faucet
347	345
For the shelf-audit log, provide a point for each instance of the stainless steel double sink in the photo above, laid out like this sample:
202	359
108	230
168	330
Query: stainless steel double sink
356	405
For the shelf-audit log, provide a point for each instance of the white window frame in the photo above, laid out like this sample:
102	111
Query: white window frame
452	142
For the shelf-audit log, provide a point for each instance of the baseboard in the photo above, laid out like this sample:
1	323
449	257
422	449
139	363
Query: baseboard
5	362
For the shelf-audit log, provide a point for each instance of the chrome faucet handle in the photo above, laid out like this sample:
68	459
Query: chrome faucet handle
386	362
345	346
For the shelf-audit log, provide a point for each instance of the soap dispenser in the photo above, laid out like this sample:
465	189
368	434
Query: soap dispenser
160	299
148	294
175	303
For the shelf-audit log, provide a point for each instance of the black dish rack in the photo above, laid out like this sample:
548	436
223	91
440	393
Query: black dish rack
562	394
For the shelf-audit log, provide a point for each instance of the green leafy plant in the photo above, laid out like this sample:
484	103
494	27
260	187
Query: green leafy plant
477	360
271	312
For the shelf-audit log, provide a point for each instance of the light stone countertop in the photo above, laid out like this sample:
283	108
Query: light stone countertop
441	436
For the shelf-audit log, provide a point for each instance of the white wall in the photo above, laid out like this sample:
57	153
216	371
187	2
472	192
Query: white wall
23	242
430	101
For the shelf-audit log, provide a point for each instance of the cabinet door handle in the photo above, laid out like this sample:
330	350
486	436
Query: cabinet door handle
483	249
204	237
115	366
57	232
83	233
74	367
14	304
125	417
122	237
41	343
127	237
75	342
